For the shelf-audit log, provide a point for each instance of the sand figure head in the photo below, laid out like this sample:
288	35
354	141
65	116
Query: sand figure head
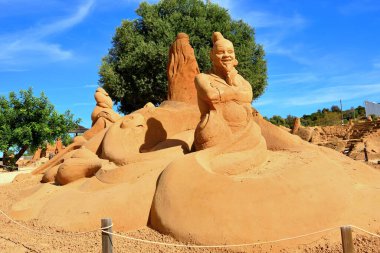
102	98
103	114
222	54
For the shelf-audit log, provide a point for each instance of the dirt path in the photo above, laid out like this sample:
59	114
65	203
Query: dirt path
7	177
15	239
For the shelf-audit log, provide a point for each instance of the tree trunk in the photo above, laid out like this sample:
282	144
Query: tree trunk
5	158
20	153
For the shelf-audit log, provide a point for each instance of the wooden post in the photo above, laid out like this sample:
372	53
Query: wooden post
347	244
107	238
365	153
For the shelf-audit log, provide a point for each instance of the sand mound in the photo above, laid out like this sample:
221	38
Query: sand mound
279	198
121	187
372	142
294	192
276	137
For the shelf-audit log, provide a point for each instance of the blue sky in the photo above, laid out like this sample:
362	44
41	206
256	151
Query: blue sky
317	51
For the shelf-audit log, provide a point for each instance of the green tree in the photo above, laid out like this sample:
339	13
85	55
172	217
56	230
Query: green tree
134	71
335	108
325	117
28	122
277	120
289	121
280	121
360	111
325	110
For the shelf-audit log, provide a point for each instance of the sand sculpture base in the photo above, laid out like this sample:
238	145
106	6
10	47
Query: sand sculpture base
294	192
299	189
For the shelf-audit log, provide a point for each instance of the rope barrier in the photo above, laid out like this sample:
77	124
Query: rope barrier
365	231
103	229
219	246
49	234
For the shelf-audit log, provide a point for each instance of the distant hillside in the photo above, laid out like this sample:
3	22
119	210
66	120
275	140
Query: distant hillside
324	117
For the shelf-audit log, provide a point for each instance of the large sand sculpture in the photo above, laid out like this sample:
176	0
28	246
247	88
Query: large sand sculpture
217	173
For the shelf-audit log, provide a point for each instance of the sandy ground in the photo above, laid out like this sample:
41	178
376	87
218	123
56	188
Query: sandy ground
14	238
7	177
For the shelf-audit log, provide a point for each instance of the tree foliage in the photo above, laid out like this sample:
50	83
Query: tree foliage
279	121
335	108
28	122
323	117
134	71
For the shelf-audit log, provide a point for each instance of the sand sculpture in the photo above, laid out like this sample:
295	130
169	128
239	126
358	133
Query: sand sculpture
120	141
306	133
224	99
296	125
36	155
244	179
182	67
102	116
49	150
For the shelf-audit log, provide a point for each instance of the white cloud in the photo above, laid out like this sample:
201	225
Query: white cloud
262	19
13	70
261	102
371	76
31	45
274	45
318	88
84	104
90	86
272	31
64	24
293	78
69	87
21	51
359	6
334	93
227	4
376	64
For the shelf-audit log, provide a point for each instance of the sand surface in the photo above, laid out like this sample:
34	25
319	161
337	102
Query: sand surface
324	188
14	238
7	177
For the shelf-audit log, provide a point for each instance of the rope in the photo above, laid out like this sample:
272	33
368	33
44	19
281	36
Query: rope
103	229
49	234
218	246
365	231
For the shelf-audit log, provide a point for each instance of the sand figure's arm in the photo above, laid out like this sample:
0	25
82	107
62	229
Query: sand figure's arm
206	92
109	115
244	93
240	91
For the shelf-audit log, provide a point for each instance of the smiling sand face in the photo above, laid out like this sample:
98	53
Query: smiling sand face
222	54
